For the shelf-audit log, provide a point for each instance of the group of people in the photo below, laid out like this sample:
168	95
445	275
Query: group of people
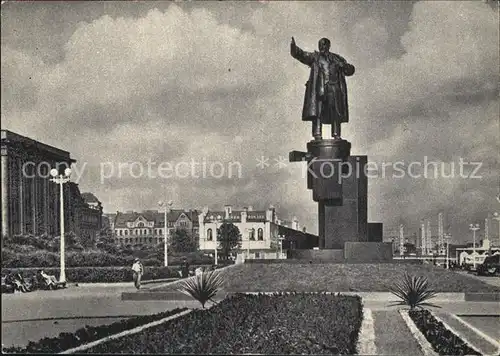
41	280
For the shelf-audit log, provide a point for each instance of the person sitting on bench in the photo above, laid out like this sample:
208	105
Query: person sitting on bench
50	280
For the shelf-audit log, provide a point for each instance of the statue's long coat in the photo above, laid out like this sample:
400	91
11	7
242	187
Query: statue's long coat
315	87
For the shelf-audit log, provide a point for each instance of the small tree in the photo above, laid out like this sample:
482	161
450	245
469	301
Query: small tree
182	241
228	238
105	240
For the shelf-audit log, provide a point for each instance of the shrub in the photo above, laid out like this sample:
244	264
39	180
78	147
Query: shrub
442	340
203	287
17	256
413	292
99	274
259	324
66	341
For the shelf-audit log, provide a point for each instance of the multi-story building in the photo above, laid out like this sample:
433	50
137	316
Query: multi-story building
90	211
30	200
260	232
148	227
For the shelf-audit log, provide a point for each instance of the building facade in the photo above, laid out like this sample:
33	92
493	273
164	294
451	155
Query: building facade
90	216
148	227
263	234
30	200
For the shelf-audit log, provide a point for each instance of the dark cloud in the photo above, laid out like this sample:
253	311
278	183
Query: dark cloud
123	82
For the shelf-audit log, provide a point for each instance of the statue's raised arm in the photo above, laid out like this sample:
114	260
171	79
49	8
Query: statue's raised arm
304	57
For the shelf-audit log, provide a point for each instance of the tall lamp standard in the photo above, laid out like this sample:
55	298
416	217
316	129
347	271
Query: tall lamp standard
61	179
166	206
447	238
474	228
496	216
281	238
216	220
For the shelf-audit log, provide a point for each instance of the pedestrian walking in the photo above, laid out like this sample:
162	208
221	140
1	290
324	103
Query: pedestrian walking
138	271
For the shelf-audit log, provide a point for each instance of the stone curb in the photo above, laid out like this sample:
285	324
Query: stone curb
479	332
182	279
454	331
124	333
482	297
366	339
149	294
424	345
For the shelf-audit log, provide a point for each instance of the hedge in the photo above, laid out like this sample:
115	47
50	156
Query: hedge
99	274
66	341
443	341
254	324
30	258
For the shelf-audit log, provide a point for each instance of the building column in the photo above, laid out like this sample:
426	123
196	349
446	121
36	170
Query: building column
5	193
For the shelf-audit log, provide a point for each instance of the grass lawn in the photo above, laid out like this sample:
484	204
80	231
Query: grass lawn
341	278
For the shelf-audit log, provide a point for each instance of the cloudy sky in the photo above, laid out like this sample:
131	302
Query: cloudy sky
174	83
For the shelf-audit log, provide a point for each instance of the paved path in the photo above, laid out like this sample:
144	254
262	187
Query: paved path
32	316
392	335
39	314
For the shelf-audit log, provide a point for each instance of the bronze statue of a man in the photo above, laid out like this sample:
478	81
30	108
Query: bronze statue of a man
325	100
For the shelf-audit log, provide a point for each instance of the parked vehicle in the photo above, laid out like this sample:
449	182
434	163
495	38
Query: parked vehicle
490	266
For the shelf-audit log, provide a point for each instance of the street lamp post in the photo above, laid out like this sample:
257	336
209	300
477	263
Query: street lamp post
281	238
216	220
166	206
447	239
61	179
496	216
474	228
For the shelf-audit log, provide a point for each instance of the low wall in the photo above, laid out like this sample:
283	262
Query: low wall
323	255
367	252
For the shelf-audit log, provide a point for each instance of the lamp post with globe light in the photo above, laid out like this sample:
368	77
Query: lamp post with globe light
216	220
474	228
61	179
447	239
166	207
281	238
496	216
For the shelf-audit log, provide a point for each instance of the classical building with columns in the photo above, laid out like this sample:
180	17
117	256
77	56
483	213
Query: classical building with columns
30	201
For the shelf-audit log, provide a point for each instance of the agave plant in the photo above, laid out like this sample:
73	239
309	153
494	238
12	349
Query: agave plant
203	287
414	291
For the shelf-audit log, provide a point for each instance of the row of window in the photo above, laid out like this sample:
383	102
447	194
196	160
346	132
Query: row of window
139	232
170	224
251	235
140	240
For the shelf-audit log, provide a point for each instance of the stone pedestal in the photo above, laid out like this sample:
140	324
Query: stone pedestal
324	169
347	222
5	192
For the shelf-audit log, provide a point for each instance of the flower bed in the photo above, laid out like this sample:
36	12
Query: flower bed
99	274
263	324
66	341
443	341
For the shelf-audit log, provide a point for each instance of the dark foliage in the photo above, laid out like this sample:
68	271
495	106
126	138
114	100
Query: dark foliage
229	239
279	324
66	341
442	340
99	274
413	291
203	287
182	241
